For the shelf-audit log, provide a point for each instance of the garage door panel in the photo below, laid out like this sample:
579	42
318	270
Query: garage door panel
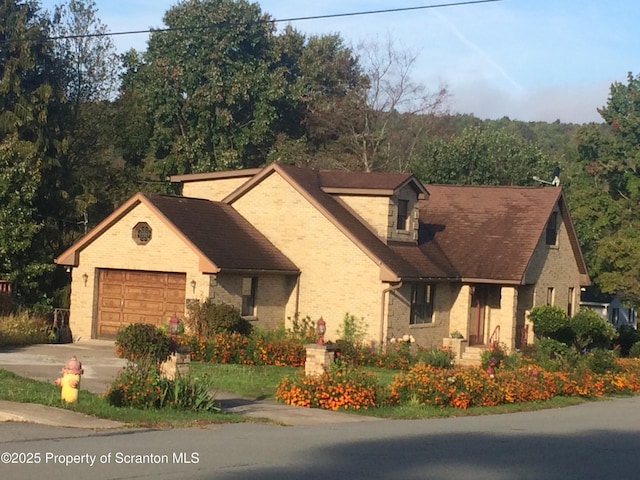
117	276
144	306
138	297
145	277
111	289
175	296
137	292
110	303
157	320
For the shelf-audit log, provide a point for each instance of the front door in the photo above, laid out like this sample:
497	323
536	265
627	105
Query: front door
477	315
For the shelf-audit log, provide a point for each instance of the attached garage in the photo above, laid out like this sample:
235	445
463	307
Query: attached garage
132	296
152	256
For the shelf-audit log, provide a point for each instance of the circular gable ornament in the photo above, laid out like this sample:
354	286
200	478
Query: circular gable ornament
142	233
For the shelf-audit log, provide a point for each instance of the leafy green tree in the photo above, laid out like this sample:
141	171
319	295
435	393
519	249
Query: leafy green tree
210	92
479	156
22	260
606	197
31	102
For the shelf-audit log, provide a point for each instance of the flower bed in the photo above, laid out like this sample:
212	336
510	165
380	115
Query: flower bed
458	387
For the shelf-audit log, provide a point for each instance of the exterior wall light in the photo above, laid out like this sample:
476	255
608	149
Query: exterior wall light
85	278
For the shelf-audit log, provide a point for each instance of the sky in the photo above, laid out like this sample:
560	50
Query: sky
529	60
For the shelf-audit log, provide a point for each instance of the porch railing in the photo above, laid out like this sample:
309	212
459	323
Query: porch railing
495	336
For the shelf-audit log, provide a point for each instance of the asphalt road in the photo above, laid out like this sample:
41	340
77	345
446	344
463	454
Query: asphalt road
596	440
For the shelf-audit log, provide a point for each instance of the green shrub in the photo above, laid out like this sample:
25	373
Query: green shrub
551	322
494	355
553	355
24	328
303	329
139	341
140	385
352	330
627	336
435	357
590	330
634	351
208	318
601	361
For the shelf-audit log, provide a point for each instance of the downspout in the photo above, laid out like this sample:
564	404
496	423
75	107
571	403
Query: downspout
393	288
297	311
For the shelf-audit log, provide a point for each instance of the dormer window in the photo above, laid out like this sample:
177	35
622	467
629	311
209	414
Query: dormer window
403	213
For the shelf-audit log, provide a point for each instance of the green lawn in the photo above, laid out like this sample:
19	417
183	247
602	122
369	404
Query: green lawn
258	382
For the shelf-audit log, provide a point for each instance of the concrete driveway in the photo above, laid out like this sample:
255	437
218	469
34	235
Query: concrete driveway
45	362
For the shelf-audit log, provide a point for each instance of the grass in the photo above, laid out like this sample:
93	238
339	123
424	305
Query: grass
20	389
258	382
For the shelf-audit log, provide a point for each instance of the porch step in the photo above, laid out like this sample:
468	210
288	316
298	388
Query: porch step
472	356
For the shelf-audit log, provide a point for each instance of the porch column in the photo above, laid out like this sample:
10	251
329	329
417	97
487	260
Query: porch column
507	321
459	317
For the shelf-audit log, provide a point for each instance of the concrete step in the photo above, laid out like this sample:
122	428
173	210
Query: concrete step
471	356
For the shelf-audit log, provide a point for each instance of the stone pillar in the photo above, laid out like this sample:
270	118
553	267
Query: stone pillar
456	345
319	358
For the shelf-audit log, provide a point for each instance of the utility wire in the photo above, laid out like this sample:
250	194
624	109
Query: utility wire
273	20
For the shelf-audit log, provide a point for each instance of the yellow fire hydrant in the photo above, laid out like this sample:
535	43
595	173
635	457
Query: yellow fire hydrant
70	380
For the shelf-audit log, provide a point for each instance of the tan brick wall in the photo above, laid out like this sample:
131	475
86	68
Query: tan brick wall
215	189
554	267
505	316
321	252
428	334
460	310
272	294
116	248
373	210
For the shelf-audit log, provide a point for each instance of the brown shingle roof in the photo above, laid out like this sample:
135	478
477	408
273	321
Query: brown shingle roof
222	234
400	260
488	232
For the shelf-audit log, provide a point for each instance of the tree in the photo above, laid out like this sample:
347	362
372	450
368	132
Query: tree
209	87
85	175
22	260
31	99
607	195
88	54
393	110
479	156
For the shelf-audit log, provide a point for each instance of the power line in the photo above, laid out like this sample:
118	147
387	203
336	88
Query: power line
292	19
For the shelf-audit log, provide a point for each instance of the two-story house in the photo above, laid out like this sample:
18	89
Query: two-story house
283	241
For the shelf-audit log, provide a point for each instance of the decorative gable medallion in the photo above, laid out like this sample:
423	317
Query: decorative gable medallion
141	233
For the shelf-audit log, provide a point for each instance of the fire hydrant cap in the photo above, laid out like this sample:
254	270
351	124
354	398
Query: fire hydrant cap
73	366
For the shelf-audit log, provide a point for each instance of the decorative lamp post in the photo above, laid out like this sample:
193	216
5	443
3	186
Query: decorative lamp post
321	328
174	323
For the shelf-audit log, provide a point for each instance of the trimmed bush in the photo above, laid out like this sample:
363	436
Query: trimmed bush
207	318
551	322
140	341
590	330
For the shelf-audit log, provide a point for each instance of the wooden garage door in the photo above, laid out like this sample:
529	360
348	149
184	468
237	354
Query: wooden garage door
133	296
